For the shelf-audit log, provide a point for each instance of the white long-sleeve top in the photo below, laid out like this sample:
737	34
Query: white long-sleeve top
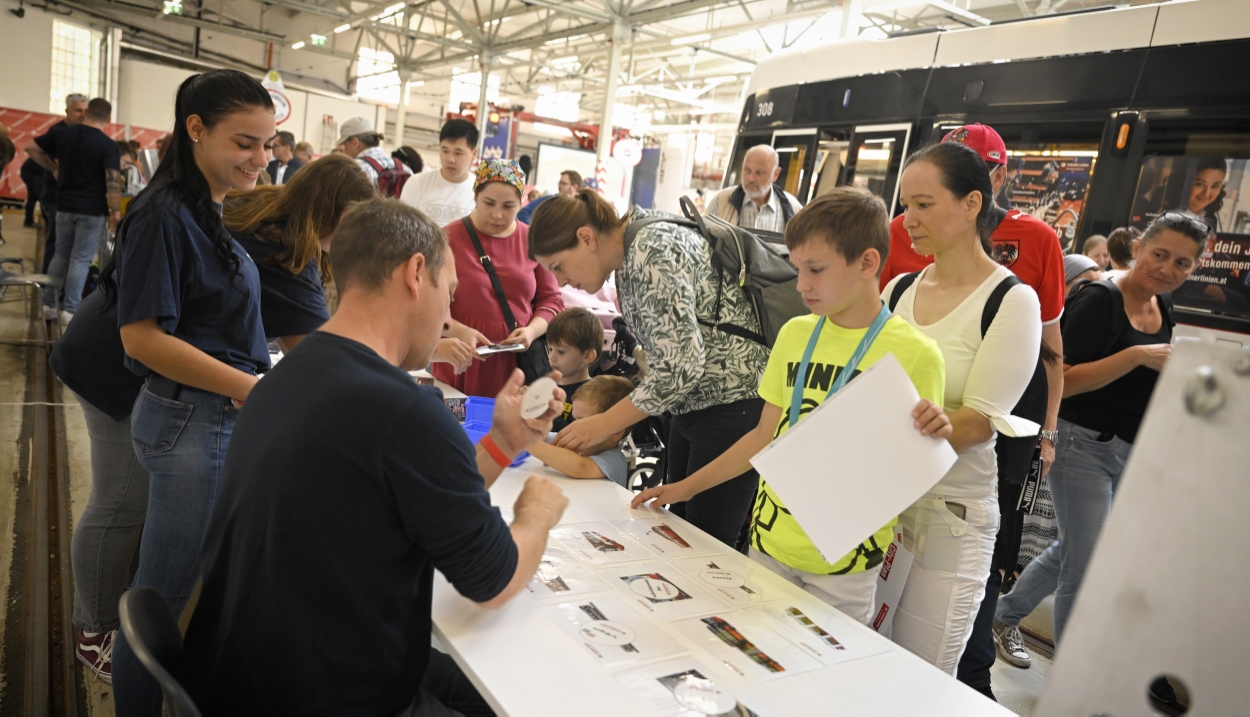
988	375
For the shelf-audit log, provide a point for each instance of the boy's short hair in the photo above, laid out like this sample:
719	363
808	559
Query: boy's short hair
458	128
578	328
604	391
852	220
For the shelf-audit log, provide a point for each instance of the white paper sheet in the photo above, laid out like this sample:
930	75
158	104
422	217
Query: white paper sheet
614	633
600	543
748	645
660	590
817	629
660	687
668	539
855	462
734	581
559	575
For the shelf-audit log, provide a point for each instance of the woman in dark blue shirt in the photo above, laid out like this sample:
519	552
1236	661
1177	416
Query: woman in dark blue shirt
287	230
188	306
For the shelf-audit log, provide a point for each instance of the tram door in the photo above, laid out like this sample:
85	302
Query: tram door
795	149
874	157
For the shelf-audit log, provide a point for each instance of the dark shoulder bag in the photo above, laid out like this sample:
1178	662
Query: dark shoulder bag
533	362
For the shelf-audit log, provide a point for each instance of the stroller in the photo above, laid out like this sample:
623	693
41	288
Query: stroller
645	442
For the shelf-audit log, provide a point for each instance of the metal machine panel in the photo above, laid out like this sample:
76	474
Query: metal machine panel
1206	21
1165	591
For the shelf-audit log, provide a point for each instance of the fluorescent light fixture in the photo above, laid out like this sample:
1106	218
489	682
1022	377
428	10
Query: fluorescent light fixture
691	39
297	45
342	28
722	78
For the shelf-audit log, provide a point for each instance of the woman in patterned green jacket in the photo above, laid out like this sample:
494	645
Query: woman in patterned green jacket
705	377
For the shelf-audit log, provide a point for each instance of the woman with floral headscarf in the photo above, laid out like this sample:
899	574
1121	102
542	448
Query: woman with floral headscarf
477	319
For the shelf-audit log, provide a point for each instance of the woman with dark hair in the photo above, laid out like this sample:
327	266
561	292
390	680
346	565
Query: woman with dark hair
1117	336
1206	194
188	306
410	157
946	193
706	377
288	230
477	319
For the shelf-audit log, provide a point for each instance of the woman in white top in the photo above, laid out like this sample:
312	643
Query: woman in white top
946	192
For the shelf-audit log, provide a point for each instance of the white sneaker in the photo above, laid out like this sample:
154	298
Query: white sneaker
50	313
1010	644
66	317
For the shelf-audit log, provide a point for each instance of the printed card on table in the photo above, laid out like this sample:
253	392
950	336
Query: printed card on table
737	582
817	629
683	687
749	646
611	631
560	575
600	543
667	539
660	590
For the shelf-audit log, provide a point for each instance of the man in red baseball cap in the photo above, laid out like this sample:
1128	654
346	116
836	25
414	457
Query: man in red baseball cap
1031	249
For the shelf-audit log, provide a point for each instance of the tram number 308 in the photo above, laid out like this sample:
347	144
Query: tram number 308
764	109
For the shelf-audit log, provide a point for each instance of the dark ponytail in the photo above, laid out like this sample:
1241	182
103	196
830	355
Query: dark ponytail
963	172
212	96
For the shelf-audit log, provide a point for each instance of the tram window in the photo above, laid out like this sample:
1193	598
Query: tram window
872	163
734	175
1212	190
831	154
792	156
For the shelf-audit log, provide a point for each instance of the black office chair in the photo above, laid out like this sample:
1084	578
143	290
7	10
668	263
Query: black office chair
152	632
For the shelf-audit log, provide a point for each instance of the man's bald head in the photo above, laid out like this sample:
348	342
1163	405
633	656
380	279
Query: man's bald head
760	168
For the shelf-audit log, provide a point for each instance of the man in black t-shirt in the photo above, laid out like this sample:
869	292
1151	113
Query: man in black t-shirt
346	485
87	164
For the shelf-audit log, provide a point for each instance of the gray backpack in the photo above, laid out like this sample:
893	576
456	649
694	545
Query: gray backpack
768	278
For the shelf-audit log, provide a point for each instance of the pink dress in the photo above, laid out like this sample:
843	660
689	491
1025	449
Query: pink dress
531	291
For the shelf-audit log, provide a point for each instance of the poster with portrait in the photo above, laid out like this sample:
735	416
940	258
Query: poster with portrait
1211	191
1050	188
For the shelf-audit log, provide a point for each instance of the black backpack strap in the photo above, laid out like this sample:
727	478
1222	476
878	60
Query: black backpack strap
904	283
490	271
996	300
737	197
787	211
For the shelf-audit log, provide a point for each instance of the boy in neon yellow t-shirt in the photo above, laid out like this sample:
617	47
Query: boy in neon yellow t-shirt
838	242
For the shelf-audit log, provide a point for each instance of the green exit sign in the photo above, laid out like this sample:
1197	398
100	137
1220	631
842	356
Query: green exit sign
319	40
173	7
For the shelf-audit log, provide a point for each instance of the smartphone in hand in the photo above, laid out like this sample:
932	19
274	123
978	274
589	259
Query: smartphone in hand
499	349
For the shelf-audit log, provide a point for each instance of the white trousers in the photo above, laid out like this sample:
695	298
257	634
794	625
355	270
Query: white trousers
854	594
947	580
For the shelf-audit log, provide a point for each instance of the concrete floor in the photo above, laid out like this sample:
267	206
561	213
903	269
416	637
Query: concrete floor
1016	689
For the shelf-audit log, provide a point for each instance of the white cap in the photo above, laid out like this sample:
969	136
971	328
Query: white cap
352	127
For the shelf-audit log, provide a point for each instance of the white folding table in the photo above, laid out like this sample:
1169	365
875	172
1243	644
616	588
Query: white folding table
523	664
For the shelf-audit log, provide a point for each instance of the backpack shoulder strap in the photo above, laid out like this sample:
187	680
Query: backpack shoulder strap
904	283
787	210
632	228
993	303
377	166
735	199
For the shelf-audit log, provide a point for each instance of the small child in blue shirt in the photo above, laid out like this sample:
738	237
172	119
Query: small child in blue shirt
604	460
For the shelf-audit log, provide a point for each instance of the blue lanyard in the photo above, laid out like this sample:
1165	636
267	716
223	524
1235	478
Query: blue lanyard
800	381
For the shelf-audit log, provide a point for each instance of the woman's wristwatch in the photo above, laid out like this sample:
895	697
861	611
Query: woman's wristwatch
1052	436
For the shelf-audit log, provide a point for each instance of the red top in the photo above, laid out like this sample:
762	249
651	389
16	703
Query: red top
1022	243
531	291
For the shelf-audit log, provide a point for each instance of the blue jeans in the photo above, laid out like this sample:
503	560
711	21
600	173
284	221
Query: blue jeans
1082	481
77	240
182	443
106	537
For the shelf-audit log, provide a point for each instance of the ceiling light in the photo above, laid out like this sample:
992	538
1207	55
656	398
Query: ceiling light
691	39
342	28
297	45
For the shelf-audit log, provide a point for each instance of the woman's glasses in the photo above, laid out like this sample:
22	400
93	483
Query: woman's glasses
1177	217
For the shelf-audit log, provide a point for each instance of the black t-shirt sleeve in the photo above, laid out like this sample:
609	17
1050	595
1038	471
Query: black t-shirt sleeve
112	154
47	142
444	506
1088	326
290	304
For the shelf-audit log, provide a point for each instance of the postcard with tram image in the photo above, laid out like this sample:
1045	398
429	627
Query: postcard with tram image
668	538
817	629
683	687
660	590
600	543
559	575
614	633
749	646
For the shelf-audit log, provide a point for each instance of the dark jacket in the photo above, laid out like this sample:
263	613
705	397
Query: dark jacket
291	168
